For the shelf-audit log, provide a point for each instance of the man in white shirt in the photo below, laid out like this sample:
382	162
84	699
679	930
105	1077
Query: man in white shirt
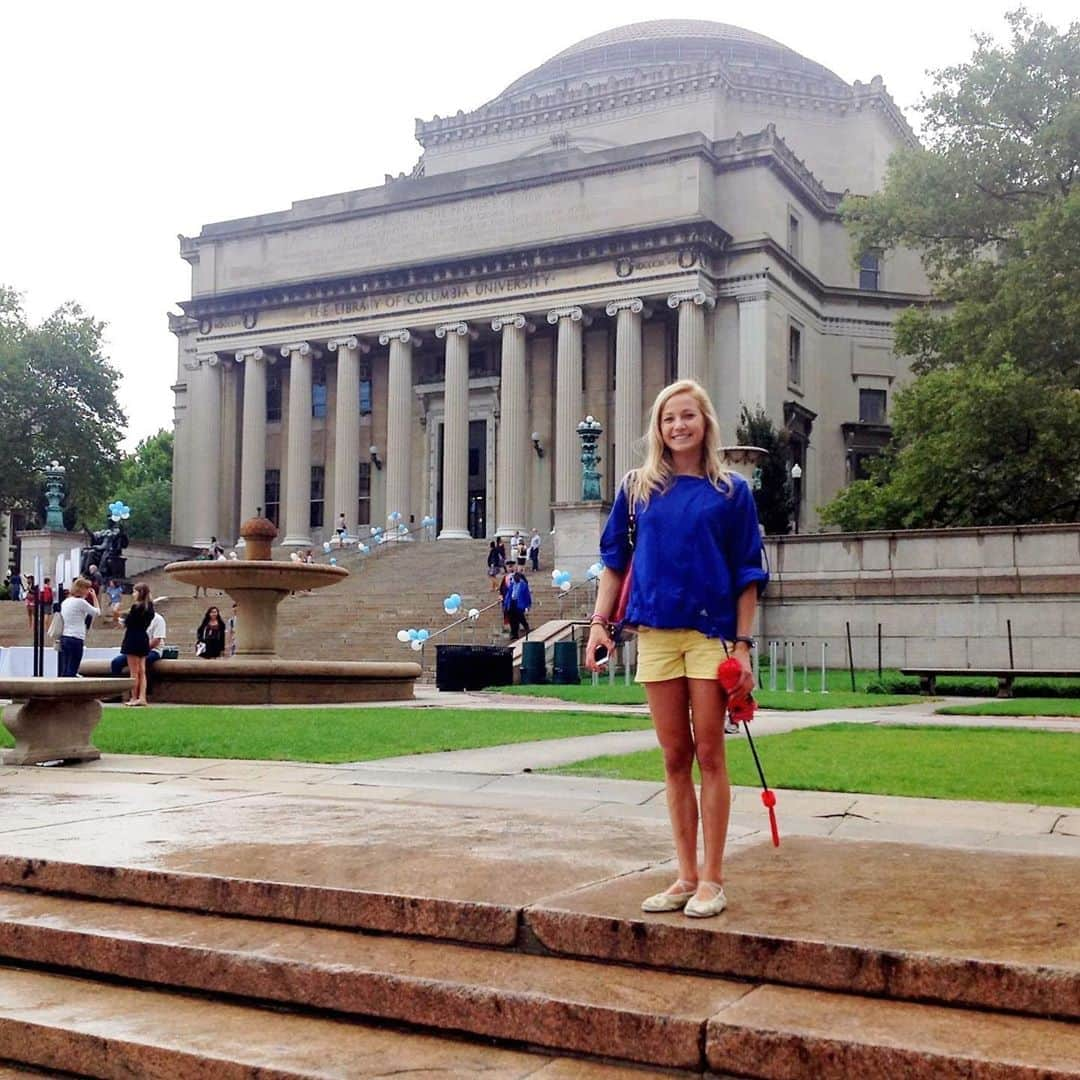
156	633
534	550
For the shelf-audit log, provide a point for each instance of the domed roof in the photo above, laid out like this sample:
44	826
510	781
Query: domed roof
662	43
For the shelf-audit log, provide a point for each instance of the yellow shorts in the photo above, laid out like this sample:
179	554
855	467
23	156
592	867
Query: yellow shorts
674	654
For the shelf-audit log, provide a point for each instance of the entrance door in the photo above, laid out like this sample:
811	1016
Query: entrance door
477	487
478	479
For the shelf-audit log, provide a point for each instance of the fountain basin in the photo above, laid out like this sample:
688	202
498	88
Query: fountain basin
256	586
235	681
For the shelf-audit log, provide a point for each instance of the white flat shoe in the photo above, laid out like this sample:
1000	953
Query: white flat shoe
669	901
704	909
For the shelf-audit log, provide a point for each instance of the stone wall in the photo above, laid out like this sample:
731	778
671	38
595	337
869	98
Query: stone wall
142	555
942	596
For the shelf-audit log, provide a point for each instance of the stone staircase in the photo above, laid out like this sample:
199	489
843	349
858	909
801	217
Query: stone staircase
398	586
124	971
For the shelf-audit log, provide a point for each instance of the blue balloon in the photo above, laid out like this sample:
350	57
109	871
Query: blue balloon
414	635
422	635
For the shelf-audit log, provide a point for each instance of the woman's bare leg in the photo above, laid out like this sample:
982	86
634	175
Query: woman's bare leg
669	706
707	704
137	666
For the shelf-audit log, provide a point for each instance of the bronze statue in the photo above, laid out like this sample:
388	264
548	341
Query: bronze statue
105	551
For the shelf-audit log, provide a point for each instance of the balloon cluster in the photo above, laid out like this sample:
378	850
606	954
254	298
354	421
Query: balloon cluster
452	603
594	571
413	638
362	548
377	534
394	516
326	546
119	511
560	579
403	528
427	521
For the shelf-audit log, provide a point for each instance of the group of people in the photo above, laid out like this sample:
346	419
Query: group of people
502	560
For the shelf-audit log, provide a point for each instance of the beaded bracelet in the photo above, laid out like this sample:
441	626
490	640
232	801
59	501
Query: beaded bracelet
598	618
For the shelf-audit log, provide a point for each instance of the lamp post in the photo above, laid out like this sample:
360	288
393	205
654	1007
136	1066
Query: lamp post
589	432
54	492
796	485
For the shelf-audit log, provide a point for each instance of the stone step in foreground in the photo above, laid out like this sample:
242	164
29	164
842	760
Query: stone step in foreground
897	921
89	1028
684	1022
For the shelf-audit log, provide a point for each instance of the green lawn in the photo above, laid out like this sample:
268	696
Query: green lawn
617	693
992	764
1017	707
332	735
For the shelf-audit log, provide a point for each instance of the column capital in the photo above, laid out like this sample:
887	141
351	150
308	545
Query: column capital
459	328
406	337
203	360
574	314
256	353
351	342
304	348
693	296
519	322
631	303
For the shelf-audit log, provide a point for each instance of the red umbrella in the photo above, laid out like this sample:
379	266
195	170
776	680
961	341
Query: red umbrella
741	706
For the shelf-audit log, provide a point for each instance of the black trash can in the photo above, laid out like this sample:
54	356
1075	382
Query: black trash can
472	667
533	662
565	667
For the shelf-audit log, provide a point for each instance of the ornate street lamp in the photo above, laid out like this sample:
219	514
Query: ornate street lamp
54	492
589	432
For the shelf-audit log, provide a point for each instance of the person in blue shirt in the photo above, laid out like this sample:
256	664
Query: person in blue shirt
517	599
694	586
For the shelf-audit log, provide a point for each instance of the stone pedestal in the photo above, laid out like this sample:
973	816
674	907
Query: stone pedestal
53	719
578	527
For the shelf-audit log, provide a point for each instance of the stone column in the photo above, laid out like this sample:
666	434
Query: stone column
753	351
455	463
298	485
693	356
206	446
626	429
399	408
347	430
253	437
568	403
513	433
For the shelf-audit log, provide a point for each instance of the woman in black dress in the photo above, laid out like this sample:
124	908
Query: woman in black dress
136	643
210	637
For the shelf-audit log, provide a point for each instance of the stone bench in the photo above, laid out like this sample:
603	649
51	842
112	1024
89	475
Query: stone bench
928	676
53	719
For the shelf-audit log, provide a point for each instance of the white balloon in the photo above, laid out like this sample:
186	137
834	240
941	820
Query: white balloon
474	613
565	586
403	636
416	646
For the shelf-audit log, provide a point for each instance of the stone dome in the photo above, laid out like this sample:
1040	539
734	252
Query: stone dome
661	43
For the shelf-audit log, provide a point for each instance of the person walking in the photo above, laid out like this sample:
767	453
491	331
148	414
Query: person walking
534	550
79	605
136	643
30	599
682	509
516	602
115	593
500	547
494	567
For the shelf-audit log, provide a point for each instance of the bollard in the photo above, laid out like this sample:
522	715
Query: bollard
772	665
824	684
789	666
805	680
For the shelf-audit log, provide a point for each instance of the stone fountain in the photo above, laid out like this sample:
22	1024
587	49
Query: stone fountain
256	675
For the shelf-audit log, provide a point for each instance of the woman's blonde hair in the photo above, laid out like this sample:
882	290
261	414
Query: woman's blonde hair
657	472
81	586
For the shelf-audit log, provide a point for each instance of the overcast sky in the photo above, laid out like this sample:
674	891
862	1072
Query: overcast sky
126	123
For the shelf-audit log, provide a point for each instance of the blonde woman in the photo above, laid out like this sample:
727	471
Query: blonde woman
78	605
697	574
136	643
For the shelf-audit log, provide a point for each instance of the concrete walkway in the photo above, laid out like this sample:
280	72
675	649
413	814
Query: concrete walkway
506	778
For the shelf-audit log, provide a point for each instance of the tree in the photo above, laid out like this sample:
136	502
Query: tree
991	204
57	402
978	444
774	498
145	484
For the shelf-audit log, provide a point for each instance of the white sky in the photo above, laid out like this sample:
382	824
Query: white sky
126	123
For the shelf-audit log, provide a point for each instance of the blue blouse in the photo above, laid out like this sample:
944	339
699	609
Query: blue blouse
696	550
